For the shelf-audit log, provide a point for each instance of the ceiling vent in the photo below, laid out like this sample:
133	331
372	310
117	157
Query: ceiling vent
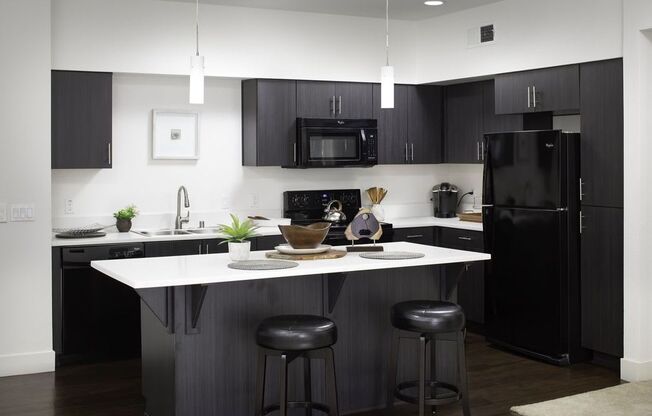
482	35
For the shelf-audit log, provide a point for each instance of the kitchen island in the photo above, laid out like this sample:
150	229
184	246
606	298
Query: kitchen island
198	319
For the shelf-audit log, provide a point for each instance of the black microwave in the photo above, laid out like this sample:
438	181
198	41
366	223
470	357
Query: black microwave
330	143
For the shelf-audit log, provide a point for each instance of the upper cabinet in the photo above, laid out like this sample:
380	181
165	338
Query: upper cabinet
321	99
411	132
81	120
470	114
269	113
550	89
602	133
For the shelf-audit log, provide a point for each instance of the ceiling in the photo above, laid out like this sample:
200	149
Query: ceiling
399	9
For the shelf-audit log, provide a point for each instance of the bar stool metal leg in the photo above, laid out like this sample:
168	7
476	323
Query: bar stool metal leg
283	386
307	385
261	368
461	360
422	375
331	385
433	369
392	367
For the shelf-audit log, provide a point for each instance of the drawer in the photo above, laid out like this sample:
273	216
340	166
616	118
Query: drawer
420	235
461	239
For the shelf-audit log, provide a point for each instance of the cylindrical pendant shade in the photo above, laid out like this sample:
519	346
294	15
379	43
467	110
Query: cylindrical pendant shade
387	87
197	80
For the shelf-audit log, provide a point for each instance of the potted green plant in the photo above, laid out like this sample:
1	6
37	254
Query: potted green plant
123	218
237	236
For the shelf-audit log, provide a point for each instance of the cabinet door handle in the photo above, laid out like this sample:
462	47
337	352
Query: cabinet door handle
582	227
534	96
406	151
199	249
294	150
339	105
412	151
333	105
414	236
482	150
581	189
529	98
206	252
465	238
477	150
110	156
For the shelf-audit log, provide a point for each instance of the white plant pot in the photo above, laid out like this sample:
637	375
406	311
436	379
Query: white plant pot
239	251
378	212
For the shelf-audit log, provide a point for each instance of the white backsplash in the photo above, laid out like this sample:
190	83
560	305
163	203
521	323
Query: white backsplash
217	183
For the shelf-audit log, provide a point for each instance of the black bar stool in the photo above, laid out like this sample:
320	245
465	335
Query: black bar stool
290	337
429	319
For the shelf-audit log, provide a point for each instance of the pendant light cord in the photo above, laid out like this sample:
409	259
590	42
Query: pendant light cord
387	31
197	28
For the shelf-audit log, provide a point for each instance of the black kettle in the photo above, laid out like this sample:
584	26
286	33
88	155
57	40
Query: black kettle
444	197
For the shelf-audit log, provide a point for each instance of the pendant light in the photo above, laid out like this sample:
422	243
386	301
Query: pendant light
196	95
387	71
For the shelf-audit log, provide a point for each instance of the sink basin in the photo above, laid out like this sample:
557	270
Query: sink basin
162	232
204	231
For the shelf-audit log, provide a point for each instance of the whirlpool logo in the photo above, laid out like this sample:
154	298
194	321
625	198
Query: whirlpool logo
550	146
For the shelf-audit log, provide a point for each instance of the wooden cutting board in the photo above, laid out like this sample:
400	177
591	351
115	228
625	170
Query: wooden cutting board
328	255
471	216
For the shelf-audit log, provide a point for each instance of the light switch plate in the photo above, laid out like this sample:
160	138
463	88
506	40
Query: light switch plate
3	212
22	212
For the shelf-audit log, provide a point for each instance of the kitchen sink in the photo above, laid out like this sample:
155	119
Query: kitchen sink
162	233
212	231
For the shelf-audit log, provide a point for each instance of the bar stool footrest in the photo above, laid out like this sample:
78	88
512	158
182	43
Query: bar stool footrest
450	395
297	405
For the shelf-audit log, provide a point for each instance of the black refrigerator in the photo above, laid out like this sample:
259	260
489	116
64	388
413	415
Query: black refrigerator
531	221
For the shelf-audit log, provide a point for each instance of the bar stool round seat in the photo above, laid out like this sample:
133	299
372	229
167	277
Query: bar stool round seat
296	333
428	316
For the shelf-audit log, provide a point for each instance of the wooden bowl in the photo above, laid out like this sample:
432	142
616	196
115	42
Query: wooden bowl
309	236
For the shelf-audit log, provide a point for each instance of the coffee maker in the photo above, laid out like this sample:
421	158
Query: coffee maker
444	197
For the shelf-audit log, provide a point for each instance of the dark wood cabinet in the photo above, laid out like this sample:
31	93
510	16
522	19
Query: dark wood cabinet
425	124
392	126
549	89
464	123
601	86
470	114
419	235
411	132
602	280
268	242
323	99
214	246
269	112
81	120
470	287
174	248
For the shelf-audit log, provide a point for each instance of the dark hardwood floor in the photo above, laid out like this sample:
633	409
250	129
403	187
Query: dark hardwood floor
498	380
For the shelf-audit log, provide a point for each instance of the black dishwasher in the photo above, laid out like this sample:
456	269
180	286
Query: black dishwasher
99	317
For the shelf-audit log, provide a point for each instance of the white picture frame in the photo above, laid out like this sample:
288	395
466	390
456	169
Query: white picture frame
175	135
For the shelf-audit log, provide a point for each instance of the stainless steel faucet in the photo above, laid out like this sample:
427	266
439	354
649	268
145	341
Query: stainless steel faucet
178	223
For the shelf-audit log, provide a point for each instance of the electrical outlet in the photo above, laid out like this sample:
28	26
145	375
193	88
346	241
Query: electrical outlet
68	207
253	201
22	212
226	202
3	212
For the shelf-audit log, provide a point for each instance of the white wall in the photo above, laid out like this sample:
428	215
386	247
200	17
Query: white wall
217	182
637	363
25	283
153	36
529	34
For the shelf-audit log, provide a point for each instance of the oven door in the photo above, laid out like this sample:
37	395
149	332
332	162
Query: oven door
323	147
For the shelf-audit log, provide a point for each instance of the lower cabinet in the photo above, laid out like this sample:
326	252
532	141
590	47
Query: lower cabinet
470	287
184	248
419	235
602	280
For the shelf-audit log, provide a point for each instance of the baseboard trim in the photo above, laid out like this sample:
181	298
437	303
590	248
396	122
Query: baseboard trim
26	363
631	370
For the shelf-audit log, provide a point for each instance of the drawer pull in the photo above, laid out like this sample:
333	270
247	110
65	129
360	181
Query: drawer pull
415	236
465	238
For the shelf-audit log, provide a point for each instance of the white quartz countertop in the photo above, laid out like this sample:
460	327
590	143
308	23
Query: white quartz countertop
132	237
145	273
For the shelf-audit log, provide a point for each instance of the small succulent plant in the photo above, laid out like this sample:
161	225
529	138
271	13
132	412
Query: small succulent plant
238	231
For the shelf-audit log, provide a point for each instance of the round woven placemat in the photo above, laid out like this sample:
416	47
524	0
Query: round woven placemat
262	265
391	255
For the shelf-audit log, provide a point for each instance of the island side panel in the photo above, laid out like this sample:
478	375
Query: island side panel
215	369
362	314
